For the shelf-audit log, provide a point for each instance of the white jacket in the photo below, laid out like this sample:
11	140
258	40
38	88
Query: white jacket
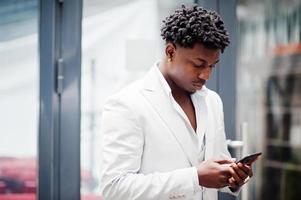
146	154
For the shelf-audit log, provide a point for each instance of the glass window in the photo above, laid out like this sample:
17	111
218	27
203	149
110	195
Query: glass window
269	82
19	98
116	51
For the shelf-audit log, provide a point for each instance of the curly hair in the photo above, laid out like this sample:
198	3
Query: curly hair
190	25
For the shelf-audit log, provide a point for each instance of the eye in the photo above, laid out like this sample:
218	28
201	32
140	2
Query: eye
212	66
202	65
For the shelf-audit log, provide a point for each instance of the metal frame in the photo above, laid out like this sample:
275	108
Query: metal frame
59	125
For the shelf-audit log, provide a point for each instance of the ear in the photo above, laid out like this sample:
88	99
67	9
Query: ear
170	50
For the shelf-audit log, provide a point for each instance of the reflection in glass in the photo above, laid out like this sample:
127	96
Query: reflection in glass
269	77
19	101
121	40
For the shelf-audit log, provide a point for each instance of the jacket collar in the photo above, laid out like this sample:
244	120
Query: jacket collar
161	82
158	96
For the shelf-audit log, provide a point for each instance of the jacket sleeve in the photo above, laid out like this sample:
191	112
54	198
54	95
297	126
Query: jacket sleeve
122	149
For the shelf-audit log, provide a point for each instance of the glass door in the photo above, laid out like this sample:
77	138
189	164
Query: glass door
269	83
19	99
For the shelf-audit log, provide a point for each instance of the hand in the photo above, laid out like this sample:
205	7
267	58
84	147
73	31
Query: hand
214	174
240	175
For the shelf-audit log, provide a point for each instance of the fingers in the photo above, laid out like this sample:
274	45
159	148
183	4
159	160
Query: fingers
239	171
221	173
246	168
232	183
213	175
223	181
240	174
237	177
225	161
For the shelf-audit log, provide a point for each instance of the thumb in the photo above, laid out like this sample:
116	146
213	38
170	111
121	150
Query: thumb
224	161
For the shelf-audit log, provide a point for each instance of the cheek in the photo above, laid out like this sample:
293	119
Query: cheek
183	73
190	73
187	76
177	70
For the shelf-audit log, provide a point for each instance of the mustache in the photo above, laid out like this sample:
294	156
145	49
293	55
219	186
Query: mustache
201	81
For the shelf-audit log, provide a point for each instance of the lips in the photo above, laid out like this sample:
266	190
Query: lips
198	86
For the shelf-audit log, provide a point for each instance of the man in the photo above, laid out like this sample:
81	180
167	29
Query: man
163	136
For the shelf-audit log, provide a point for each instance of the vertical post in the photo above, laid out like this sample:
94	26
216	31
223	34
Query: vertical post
48	184
245	151
70	100
59	127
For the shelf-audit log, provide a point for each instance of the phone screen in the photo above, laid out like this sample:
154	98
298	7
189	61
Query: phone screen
249	159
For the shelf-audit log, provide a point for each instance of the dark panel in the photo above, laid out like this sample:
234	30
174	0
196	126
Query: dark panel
59	131
209	4
292	180
270	186
49	102
70	101
227	70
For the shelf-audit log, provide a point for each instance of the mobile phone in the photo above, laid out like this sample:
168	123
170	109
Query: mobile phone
249	159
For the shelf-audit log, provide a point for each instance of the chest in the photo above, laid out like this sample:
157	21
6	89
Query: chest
189	110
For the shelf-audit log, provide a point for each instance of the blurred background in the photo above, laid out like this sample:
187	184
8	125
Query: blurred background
119	42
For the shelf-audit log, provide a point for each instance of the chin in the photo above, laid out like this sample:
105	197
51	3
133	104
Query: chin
197	87
192	91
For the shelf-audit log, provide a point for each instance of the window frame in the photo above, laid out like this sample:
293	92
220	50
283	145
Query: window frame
59	117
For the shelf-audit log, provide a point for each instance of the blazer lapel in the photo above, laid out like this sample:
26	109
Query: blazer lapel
205	124
157	97
210	134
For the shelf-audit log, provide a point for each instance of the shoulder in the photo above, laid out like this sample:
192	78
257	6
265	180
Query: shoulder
214	97
132	93
215	104
127	96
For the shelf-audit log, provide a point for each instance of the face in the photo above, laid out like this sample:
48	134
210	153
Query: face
189	69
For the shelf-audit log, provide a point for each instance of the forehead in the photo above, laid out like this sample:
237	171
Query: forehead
201	52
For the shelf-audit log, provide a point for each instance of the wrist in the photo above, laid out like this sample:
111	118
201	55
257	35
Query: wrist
200	174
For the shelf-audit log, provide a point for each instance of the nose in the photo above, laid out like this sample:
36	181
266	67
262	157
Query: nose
205	73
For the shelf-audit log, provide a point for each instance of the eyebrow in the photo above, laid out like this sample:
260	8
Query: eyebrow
200	59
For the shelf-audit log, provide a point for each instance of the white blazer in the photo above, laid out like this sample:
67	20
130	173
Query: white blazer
146	152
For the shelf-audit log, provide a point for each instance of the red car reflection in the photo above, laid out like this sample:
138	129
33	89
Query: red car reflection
18	179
